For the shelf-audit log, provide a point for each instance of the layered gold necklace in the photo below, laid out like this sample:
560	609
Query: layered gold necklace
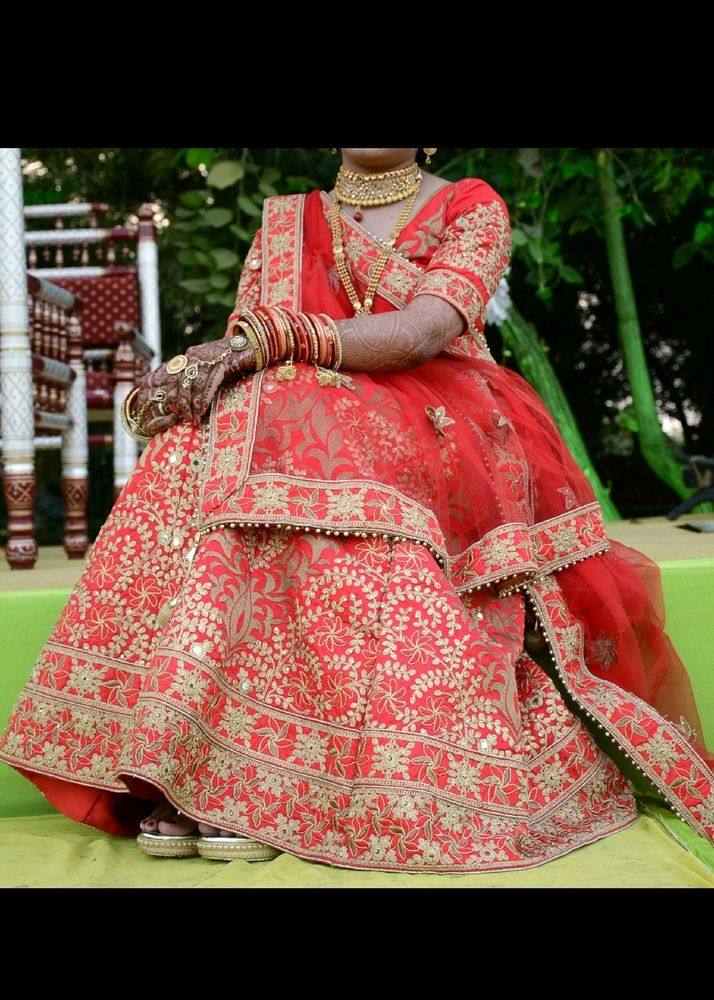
365	190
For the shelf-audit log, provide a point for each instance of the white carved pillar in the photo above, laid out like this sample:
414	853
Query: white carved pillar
75	449
125	447
18	423
148	266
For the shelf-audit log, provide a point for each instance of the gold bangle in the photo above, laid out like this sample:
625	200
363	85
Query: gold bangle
287	331
128	423
262	331
259	335
287	371
336	339
128	399
308	319
254	343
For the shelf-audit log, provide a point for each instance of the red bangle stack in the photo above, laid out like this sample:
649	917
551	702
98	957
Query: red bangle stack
281	335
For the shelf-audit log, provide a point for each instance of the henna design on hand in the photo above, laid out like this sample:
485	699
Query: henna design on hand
188	399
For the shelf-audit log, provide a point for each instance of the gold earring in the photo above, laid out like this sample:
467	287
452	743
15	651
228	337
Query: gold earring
429	154
334	151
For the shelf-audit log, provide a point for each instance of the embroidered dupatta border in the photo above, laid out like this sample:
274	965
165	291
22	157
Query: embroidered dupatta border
655	745
363	253
282	254
362	507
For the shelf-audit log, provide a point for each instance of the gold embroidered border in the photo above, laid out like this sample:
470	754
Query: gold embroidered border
116	662
462	294
363	251
496	836
654	744
226	470
362	507
282	254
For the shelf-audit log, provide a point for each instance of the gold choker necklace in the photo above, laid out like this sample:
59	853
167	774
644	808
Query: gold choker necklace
365	190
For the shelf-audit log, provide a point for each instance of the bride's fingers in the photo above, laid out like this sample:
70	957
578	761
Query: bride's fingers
158	379
155	408
177	399
183	402
154	424
204	395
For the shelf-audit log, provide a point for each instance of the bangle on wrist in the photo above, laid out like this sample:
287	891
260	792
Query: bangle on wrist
281	336
250	336
130	423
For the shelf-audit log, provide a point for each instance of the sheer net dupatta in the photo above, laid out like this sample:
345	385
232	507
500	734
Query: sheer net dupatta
620	603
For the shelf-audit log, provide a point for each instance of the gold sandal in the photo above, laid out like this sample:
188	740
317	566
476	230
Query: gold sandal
163	845
236	848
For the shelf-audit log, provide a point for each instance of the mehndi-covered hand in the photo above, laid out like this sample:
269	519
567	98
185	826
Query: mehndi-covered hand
183	388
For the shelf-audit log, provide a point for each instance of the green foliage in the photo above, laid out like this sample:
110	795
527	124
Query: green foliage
217	222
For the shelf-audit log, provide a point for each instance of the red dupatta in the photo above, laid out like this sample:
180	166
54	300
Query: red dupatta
369	459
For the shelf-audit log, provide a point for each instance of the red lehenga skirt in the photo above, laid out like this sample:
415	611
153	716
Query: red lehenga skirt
343	672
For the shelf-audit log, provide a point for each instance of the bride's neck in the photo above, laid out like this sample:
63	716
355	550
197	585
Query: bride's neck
371	168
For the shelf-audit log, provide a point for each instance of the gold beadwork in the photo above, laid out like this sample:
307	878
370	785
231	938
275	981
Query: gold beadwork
366	190
378	269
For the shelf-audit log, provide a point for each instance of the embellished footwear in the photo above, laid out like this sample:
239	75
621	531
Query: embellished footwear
179	843
233	847
236	849
163	845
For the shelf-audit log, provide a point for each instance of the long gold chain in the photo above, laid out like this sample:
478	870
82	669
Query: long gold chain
362	309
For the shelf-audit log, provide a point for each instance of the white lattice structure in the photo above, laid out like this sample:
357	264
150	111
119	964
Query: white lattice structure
42	383
114	270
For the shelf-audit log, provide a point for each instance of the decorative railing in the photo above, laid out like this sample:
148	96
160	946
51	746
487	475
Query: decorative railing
59	409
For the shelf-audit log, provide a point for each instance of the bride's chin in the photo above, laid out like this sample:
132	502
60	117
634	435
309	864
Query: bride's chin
379	159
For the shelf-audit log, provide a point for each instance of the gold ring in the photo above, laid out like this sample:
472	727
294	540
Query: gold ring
176	365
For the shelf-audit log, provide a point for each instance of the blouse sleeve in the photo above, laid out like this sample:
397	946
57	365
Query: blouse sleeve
467	266
249	283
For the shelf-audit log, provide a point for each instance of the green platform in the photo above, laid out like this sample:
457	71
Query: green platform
38	847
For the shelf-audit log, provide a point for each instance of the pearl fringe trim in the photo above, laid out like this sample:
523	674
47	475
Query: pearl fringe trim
533	575
539	619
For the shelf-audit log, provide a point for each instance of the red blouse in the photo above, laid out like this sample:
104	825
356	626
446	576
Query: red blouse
456	247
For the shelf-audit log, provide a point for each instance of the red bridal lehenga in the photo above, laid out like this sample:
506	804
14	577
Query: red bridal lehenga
343	674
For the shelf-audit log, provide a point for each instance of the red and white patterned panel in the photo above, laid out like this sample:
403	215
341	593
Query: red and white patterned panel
105	300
